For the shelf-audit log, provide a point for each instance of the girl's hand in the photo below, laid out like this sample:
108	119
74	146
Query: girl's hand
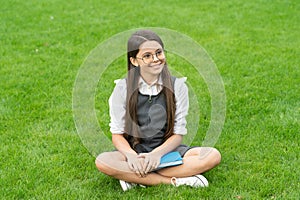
135	164
151	161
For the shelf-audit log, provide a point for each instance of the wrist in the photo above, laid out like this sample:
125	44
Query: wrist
157	153
130	153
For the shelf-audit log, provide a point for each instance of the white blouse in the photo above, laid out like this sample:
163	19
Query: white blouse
117	103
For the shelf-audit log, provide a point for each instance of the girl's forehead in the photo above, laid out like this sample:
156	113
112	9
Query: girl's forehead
150	45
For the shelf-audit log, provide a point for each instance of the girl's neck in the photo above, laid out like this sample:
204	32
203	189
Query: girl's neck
150	80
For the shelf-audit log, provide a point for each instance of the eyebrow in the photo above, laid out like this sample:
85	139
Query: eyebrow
147	52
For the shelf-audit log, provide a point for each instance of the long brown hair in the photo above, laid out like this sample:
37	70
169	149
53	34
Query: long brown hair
133	76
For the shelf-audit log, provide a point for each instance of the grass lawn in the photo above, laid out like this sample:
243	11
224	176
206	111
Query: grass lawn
254	44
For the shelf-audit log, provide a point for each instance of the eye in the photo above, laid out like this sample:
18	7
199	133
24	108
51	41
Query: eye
147	56
159	52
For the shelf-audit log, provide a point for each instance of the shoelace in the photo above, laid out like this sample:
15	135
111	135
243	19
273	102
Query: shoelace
176	182
190	182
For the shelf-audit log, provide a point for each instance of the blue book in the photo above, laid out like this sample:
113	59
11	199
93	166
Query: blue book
170	159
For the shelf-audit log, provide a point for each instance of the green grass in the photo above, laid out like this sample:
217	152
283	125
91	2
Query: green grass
255	45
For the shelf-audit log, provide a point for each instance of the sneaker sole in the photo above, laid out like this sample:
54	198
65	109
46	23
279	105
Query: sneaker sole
203	181
124	185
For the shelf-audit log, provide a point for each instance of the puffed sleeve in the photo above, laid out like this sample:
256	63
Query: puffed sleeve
117	107
182	106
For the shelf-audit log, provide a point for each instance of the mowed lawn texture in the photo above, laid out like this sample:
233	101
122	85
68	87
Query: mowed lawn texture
254	44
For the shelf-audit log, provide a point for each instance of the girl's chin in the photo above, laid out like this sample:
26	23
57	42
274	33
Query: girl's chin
158	66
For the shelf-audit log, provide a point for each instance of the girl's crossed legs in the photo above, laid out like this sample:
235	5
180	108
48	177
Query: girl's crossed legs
195	161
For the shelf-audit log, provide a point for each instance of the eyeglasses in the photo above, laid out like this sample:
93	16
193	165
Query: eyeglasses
149	57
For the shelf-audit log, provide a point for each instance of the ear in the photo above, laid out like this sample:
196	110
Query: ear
134	61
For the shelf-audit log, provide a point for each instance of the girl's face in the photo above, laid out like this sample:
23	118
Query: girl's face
150	58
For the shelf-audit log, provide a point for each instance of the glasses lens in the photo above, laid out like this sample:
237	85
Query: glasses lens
148	58
160	54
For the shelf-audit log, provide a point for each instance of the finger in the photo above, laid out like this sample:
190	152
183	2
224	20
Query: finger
155	165
146	164
149	168
142	173
130	165
138	173
140	170
144	169
136	170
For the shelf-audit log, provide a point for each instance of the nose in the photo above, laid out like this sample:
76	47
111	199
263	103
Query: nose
155	58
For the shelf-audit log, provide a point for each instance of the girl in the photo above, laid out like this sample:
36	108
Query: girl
148	111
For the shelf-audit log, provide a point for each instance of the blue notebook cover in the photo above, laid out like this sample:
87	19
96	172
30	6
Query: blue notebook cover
170	159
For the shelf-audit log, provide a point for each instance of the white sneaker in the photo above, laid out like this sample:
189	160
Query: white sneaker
193	181
127	186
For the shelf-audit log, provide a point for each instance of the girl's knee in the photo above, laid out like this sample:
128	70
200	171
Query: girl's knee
216	156
101	163
104	164
211	156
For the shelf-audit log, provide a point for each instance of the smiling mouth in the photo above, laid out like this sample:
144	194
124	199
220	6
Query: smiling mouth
156	65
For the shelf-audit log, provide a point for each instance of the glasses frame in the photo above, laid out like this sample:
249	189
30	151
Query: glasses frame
162	51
